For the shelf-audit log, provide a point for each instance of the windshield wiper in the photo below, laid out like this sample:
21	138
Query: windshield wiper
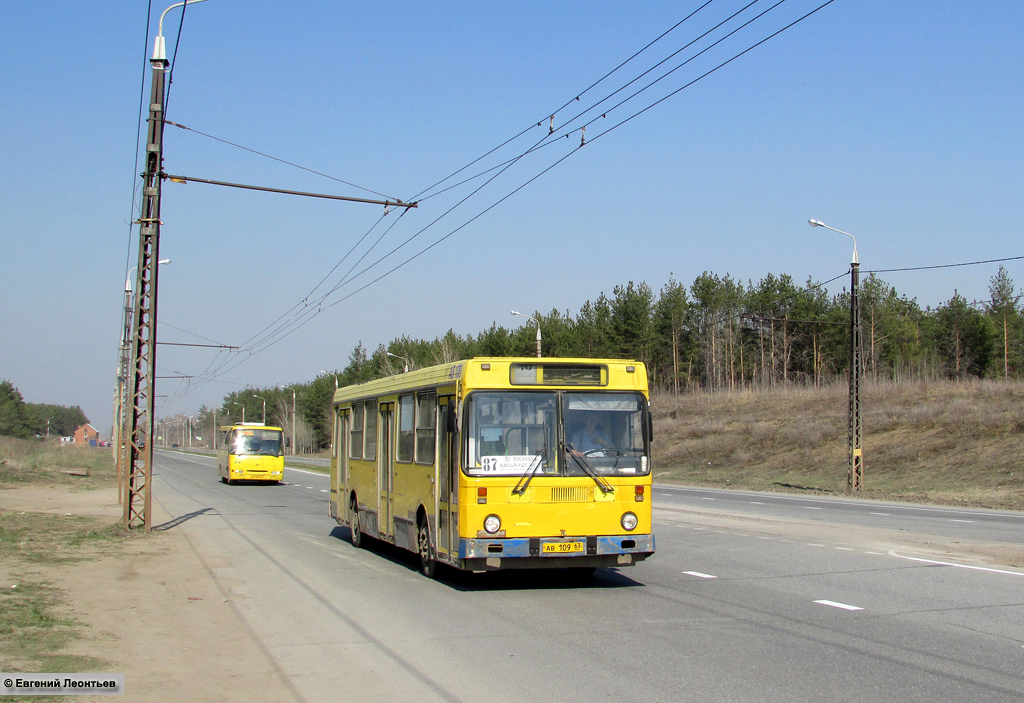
520	488
588	468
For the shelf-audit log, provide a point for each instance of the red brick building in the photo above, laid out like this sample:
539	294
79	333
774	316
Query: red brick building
87	435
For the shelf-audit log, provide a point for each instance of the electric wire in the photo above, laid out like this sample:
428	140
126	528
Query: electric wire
946	266
269	341
174	60
671	56
567	103
275	158
503	166
623	122
604	114
716	68
309	306
305	301
320	307
138	140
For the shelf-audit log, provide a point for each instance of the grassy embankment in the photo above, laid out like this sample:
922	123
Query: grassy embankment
35	624
942	442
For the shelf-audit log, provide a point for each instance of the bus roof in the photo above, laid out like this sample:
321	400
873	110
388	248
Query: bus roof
250	425
480	372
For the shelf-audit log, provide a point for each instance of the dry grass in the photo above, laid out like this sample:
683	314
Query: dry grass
943	442
35	620
33	461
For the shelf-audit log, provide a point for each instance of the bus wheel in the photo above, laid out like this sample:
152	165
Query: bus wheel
223	479
354	527
428	564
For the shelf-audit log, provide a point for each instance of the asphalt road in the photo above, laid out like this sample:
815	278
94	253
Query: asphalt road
750	597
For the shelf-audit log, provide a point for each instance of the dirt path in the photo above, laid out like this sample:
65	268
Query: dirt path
155	612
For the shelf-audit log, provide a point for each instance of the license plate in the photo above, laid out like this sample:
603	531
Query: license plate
561	547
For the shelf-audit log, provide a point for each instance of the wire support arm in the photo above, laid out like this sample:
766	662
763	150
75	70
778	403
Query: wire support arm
192	179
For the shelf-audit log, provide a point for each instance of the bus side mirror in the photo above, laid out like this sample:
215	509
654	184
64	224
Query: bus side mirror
650	427
453	420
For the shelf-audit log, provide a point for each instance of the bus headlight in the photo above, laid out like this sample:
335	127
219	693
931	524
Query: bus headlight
629	522
492	523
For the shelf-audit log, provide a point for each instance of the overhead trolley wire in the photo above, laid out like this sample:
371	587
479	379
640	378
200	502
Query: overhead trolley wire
946	266
275	158
136	184
604	114
502	167
719	66
567	104
311	311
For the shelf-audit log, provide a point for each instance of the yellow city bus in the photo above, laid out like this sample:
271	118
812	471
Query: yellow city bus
250	451
499	463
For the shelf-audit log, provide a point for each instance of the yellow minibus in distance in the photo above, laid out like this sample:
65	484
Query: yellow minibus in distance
250	451
499	463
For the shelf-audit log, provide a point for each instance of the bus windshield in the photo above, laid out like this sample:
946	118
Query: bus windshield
605	432
513	433
260	442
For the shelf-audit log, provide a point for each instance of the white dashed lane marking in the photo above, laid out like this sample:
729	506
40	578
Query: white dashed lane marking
841	606
699	575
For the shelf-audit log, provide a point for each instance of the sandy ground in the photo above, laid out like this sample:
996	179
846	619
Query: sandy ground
155	612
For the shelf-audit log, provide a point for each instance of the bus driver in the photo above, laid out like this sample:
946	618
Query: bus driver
590	437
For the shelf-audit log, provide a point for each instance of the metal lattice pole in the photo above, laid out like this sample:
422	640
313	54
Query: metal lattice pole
853	482
138	479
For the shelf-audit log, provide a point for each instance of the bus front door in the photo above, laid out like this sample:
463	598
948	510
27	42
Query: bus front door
386	470
447	478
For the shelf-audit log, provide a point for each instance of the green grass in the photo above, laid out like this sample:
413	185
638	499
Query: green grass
945	442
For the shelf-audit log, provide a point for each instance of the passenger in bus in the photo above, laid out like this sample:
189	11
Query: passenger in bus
590	437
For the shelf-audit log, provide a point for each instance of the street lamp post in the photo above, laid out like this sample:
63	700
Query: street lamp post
855	476
538	327
406	361
289	388
264	406
235	402
331	373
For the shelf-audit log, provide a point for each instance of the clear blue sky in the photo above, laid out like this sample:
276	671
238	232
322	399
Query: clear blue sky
900	122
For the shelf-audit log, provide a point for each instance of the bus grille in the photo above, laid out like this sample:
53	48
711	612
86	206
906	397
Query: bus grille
568	494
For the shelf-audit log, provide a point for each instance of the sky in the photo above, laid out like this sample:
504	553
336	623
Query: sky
898	122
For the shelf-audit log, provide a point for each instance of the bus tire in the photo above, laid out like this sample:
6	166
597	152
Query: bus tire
354	527
428	562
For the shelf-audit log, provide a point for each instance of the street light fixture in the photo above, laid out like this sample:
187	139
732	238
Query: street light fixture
264	406
538	327
331	373
159	47
235	402
387	353
128	281
855	476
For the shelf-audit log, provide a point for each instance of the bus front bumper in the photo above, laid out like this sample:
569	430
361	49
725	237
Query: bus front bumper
482	554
